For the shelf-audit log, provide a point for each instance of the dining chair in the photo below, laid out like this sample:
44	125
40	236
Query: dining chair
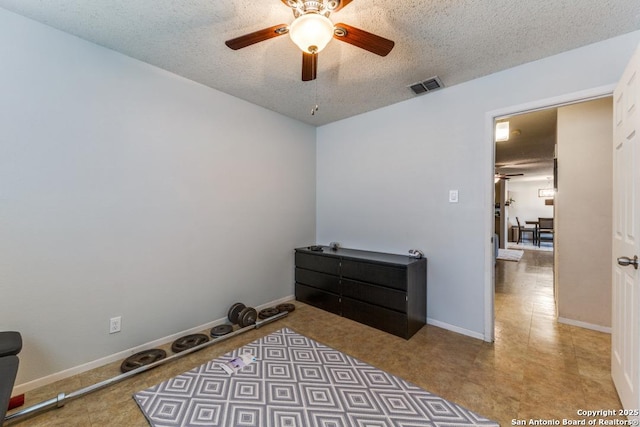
523	229
545	230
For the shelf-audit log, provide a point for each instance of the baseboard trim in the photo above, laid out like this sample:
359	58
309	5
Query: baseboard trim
49	379
599	328
456	329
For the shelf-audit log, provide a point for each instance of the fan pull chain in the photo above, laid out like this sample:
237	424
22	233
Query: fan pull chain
315	108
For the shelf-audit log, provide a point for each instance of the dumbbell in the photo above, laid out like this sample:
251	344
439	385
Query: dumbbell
242	315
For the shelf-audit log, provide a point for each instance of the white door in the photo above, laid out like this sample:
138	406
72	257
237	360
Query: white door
625	339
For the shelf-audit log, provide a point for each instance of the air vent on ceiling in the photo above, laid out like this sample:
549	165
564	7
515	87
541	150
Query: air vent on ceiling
428	85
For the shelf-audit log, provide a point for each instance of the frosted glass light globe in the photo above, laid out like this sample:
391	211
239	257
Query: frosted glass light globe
311	32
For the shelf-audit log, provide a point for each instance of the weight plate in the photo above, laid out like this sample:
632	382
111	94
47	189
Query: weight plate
248	316
268	312
286	307
143	358
220	330
234	311
187	342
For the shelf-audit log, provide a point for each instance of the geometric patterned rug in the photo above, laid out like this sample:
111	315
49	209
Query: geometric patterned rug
296	381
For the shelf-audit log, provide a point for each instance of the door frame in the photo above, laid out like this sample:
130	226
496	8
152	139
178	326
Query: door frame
489	171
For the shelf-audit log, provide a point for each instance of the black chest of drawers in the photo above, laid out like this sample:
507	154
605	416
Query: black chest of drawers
385	291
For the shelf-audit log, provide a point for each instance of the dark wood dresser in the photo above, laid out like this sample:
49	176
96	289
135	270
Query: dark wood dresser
385	291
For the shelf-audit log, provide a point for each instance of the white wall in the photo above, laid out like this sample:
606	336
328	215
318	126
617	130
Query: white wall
128	191
584	213
528	206
383	177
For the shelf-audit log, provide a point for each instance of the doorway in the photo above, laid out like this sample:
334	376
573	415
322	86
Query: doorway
582	134
491	117
524	177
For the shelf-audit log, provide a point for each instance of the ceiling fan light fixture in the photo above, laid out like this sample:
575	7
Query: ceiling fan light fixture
311	32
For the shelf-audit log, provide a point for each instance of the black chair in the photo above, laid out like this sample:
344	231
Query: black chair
10	346
545	230
522	230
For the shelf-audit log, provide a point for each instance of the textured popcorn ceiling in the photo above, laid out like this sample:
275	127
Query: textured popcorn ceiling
457	40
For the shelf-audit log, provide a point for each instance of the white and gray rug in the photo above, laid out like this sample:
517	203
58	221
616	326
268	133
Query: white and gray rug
544	246
510	254
296	381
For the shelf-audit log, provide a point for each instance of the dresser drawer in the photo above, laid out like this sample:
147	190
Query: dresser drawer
378	317
378	295
318	298
323	281
385	275
321	263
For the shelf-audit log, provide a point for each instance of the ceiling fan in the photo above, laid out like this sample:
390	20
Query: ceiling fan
312	30
499	176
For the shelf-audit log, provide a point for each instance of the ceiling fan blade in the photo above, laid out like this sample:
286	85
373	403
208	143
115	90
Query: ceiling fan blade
341	4
509	174
363	39
309	66
257	36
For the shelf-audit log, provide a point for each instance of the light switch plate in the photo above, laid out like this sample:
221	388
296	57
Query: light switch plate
453	196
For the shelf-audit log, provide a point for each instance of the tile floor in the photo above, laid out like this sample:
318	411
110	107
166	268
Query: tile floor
536	369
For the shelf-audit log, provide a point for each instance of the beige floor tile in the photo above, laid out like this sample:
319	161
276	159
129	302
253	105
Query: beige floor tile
490	400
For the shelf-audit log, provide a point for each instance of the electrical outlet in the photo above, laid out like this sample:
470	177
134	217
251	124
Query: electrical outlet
453	196
114	324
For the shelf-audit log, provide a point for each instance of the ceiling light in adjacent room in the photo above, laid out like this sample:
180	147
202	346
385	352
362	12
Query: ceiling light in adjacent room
502	131
546	192
549	192
311	32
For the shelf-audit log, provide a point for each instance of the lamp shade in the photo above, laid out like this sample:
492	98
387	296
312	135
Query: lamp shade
311	32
